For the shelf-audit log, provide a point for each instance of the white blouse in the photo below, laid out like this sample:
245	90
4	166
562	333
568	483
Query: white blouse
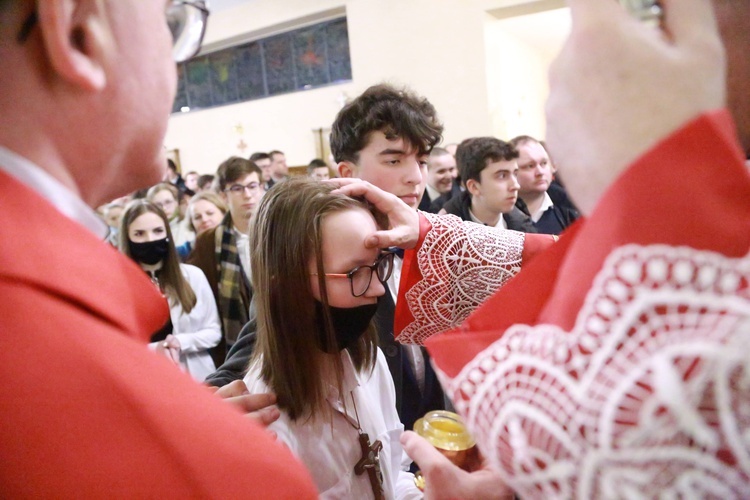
200	329
329	445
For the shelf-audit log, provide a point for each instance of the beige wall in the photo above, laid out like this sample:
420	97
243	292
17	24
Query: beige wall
286	122
517	82
438	48
519	52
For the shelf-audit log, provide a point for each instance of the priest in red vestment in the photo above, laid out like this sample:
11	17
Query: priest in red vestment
616	363
86	410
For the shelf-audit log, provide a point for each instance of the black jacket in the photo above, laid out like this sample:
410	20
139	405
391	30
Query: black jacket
238	358
562	214
515	219
559	197
411	404
434	206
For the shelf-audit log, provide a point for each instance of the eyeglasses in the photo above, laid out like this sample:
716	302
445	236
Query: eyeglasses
361	276
186	20
238	189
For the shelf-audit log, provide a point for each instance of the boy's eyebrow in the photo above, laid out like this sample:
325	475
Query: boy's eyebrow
505	169
392	152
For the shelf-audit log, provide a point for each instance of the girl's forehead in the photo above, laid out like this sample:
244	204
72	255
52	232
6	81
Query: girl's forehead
344	235
147	219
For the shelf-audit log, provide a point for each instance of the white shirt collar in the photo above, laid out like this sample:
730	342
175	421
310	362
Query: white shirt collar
243	249
395	279
546	205
62	198
501	224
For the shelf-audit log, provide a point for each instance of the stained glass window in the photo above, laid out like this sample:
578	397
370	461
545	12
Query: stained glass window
251	75
310	57
297	60
279	64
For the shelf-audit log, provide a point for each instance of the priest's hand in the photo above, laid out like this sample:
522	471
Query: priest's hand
619	86
445	480
169	348
257	407
403	220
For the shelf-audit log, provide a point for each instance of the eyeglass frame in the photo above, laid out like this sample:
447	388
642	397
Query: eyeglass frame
373	270
245	187
201	6
33	18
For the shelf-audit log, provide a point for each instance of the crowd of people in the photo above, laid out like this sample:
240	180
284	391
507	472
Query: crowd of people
595	358
211	228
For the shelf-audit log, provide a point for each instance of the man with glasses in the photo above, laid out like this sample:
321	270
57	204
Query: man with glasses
85	92
223	253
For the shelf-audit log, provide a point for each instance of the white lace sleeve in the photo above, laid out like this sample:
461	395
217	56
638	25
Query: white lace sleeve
462	265
647	397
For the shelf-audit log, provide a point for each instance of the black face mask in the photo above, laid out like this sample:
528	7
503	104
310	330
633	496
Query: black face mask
149	252
349	324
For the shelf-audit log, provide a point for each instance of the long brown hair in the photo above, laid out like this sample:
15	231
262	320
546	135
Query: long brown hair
171	281
285	235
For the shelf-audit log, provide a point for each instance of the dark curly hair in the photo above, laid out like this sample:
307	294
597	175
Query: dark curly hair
384	108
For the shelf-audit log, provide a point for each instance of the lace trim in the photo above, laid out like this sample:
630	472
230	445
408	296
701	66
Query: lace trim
462	265
648	395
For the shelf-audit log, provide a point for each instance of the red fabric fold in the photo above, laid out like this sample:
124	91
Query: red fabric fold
91	267
653	202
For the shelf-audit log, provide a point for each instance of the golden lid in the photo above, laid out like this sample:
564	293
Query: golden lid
445	430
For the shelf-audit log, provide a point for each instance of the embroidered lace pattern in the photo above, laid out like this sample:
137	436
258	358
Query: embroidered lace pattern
648	396
462	265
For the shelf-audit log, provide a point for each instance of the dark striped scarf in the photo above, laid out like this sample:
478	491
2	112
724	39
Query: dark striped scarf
234	287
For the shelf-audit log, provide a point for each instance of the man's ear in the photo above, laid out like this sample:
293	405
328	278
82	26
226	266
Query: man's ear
76	37
472	186
347	169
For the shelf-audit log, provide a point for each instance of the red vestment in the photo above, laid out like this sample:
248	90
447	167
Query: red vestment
85	409
616	364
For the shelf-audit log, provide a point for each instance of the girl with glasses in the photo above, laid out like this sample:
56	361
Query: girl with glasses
317	288
195	328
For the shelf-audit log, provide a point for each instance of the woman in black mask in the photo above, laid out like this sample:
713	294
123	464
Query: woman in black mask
195	327
316	291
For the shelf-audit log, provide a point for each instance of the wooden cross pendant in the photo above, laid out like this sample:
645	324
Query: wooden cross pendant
370	462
